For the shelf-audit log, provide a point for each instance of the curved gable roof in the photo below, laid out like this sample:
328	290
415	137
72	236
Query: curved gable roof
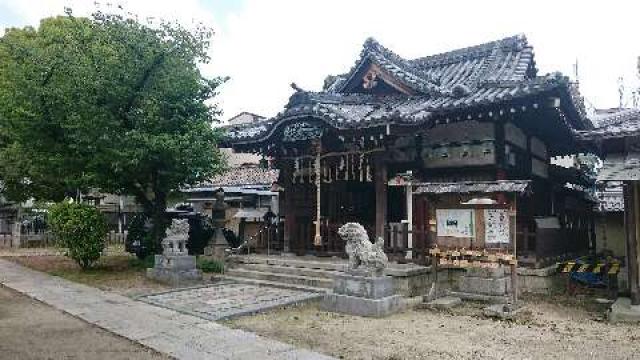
509	59
491	73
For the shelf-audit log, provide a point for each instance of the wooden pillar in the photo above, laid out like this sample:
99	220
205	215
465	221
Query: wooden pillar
409	199
380	183
514	251
288	210
419	217
317	239
631	230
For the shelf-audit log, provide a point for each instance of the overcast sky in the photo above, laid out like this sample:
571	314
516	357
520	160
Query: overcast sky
265	45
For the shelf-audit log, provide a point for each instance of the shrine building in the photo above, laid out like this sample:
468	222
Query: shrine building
399	143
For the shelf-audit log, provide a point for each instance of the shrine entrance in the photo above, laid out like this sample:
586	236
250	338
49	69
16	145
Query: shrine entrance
347	194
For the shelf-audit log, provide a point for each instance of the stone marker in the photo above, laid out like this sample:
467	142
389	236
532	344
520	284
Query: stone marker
623	311
175	265
363	290
502	311
445	302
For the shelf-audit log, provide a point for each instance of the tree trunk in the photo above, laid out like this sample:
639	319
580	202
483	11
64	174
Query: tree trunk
159	221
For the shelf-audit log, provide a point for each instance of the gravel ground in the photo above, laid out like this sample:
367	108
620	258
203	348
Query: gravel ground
549	328
32	330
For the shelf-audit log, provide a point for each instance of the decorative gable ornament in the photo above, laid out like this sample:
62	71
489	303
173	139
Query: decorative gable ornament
370	79
301	131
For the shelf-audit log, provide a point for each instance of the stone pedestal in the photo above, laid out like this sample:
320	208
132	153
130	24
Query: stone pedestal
174	270
372	296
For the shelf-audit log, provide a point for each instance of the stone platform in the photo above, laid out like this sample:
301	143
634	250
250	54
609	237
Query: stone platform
484	284
228	299
372	296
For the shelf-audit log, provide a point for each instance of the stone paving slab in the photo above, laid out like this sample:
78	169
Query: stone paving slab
179	335
228	299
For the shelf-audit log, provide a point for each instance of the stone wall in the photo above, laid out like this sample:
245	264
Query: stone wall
415	281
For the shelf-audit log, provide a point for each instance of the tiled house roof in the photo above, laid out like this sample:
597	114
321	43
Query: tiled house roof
491	73
241	176
625	122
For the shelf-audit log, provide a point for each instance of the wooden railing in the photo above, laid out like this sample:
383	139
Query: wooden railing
396	243
270	237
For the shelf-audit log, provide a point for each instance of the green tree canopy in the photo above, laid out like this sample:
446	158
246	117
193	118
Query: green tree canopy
106	102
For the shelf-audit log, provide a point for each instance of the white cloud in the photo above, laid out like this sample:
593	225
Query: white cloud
265	45
272	43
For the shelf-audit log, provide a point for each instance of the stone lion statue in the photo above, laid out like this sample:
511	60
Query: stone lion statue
175	241
179	229
364	257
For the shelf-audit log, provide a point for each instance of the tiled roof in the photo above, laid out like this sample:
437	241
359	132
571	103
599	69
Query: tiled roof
344	111
495	72
509	59
511	186
241	176
618	168
622	123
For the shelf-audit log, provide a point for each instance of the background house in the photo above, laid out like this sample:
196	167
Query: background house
617	138
247	185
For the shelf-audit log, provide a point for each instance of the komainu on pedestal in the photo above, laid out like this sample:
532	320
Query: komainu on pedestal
175	266
365	258
364	289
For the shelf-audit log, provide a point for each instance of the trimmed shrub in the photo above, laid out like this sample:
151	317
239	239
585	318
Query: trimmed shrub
81	229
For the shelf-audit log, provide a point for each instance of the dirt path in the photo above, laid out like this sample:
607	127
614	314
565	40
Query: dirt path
32	330
550	329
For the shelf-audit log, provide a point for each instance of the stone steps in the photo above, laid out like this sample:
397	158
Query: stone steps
291	270
296	262
275	284
283	278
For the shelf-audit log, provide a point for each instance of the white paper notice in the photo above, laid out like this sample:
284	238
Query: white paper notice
455	222
496	226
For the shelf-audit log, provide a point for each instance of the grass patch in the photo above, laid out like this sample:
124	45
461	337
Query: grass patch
142	264
121	273
210	266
